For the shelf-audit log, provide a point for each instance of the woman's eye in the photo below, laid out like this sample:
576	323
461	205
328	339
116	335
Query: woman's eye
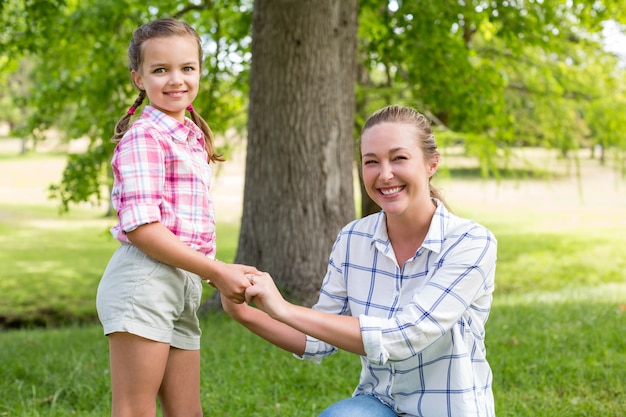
369	162
188	69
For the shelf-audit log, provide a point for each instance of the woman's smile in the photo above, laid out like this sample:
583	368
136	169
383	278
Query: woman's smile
390	191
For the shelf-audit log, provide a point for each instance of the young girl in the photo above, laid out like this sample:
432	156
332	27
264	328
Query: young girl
409	289
150	291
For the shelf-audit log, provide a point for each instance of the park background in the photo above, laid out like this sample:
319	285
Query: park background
532	147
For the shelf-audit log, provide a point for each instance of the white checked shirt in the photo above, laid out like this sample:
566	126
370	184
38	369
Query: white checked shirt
423	324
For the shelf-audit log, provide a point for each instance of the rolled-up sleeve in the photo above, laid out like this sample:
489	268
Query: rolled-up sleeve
140	169
333	300
463	273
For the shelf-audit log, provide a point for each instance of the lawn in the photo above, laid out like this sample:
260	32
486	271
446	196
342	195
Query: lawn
555	338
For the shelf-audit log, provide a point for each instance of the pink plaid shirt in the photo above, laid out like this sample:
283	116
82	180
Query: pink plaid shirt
161	174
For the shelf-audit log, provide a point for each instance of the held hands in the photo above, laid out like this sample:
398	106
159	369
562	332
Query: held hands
233	280
260	290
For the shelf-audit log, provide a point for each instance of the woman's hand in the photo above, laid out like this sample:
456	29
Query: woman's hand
337	330
266	297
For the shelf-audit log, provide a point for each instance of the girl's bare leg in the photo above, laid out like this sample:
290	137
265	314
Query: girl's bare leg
137	369
180	390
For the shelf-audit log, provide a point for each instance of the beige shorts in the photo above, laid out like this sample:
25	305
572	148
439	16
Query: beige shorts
147	298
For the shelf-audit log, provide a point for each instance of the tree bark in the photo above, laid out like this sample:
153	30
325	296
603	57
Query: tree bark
298	188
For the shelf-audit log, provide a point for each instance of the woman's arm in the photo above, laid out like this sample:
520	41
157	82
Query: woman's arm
261	324
466	275
461	285
158	242
343	332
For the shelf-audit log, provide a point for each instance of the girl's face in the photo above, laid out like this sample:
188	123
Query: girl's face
169	73
395	174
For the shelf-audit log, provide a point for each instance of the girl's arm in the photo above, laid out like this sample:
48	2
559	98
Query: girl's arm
158	242
343	332
261	324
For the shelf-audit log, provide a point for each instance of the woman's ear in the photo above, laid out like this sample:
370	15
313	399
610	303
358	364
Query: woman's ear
432	165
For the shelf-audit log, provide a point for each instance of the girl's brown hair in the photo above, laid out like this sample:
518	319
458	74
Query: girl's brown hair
157	29
422	127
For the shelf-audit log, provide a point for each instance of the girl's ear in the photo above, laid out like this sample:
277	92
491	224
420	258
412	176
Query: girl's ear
137	79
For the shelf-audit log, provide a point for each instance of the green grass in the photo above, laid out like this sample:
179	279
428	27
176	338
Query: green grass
555	337
58	372
545	262
64	371
563	358
551	357
52	265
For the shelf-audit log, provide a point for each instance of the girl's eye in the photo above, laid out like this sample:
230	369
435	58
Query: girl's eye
399	158
188	69
159	70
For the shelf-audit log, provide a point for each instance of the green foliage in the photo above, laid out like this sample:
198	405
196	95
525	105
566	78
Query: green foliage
9	112
84	176
79	81
497	74
27	24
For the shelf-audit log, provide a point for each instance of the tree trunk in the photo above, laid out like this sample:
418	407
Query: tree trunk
298	186
368	206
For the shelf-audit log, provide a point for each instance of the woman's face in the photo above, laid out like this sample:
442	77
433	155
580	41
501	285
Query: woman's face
395	175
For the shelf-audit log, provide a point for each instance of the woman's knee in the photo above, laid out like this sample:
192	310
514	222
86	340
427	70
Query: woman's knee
359	406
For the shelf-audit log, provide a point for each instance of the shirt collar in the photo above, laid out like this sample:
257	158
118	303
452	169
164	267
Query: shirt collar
181	132
433	240
438	227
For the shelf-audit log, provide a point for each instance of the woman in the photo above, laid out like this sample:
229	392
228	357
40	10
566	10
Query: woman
409	289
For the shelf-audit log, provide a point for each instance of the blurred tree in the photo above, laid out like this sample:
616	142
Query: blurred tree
496	74
14	85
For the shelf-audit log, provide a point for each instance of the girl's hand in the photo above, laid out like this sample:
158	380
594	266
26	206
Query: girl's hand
233	281
265	295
